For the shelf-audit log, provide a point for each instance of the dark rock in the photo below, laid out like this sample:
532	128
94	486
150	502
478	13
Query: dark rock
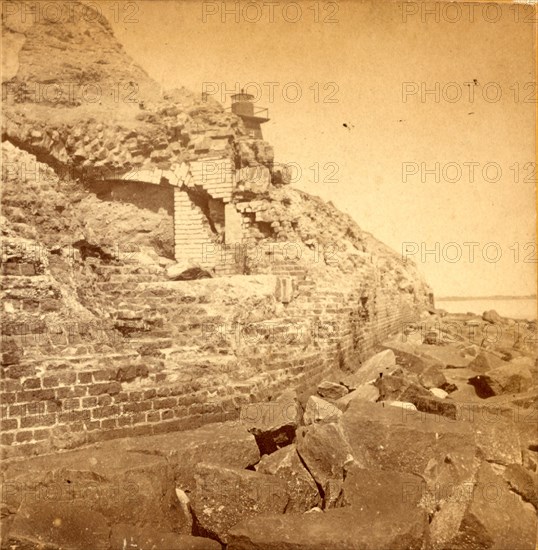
387	494
319	410
273	423
381	489
184	271
125	536
497	436
436	405
224	496
431	338
286	464
325	452
491	316
331	390
11	353
399	388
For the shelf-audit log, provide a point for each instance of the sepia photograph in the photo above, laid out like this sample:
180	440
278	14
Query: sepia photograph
269	275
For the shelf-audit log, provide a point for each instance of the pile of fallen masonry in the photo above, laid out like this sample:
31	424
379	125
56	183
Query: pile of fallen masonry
402	454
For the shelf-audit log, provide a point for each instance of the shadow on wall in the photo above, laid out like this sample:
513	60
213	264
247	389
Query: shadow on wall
142	195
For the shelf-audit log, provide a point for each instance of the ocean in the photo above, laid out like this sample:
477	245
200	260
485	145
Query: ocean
519	308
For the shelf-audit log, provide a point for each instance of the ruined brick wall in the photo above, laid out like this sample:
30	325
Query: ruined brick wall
164	356
231	342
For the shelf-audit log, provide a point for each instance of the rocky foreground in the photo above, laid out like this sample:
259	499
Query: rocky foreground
431	443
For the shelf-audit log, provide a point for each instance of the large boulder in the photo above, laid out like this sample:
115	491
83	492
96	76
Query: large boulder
302	489
57	524
186	271
273	423
346	528
388	494
433	377
73	499
382	363
226	444
365	392
319	410
491	316
485	362
486	514
331	390
125	536
506	379
125	487
326	453
497	436
439	449
397	388
224	496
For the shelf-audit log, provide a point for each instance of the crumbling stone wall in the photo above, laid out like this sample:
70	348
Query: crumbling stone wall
221	343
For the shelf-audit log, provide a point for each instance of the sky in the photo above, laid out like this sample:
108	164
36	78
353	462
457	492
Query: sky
419	125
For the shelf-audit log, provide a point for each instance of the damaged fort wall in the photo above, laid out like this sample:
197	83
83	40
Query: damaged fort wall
98	342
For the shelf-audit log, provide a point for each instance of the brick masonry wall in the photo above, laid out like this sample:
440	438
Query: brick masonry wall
56	403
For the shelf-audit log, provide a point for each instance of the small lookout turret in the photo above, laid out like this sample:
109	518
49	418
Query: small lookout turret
253	117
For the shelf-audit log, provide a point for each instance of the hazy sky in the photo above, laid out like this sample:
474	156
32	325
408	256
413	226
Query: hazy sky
366	65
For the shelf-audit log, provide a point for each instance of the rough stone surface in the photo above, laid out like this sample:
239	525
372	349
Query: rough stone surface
226	444
319	410
432	377
487	515
387	494
365	392
125	536
484	362
286	464
383	362
436	448
343	528
397	388
224	496
331	390
497	436
122	487
59	524
523	482
326	453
